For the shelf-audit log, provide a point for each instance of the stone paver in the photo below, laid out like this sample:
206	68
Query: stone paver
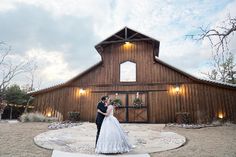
147	138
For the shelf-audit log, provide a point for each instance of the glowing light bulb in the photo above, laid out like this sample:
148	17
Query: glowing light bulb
177	89
49	114
220	115
81	91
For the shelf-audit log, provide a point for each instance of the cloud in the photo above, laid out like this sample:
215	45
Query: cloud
28	27
71	28
53	66
6	5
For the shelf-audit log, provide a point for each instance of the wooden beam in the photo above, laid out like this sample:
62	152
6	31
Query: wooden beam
133	35
119	37
125	32
120	41
134	84
99	48
113	91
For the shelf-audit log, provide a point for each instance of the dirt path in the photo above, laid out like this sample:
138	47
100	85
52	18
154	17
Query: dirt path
16	140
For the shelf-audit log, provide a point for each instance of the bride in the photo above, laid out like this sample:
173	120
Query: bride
112	138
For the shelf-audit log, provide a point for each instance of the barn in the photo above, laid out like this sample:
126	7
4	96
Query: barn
148	89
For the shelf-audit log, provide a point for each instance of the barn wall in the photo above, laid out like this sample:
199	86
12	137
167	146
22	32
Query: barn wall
60	102
57	102
148	71
203	102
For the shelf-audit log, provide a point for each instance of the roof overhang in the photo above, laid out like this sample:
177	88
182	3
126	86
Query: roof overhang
127	35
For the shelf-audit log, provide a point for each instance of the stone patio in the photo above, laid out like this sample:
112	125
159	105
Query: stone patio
147	138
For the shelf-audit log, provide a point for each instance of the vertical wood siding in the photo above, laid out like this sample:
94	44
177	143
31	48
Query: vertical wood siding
204	102
141	53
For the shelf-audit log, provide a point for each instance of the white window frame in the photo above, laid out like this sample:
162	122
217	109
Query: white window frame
128	71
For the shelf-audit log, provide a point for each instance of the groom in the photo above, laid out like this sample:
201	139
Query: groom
99	119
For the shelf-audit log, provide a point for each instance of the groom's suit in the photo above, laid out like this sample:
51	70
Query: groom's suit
99	119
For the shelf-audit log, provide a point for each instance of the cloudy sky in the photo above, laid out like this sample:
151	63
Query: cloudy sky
60	35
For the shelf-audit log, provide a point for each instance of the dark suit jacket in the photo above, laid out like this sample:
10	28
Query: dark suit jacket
101	106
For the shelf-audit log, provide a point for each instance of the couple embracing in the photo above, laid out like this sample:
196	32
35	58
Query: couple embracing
110	135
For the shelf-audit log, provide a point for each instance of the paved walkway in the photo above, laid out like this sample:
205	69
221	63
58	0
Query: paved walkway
147	138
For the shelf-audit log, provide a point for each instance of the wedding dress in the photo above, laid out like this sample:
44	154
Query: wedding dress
112	138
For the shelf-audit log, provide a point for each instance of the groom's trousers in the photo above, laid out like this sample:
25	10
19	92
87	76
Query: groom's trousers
98	132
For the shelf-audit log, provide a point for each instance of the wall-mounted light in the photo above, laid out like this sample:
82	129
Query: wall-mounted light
177	89
49	114
81	91
220	115
127	44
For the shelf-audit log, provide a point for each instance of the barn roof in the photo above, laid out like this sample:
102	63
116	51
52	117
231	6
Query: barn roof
213	82
65	83
127	35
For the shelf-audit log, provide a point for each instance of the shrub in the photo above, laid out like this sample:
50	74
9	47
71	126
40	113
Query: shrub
182	117
24	118
51	119
36	117
74	116
217	123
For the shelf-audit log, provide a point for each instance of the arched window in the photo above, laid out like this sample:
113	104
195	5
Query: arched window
128	72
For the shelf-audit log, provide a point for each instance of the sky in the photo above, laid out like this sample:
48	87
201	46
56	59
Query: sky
60	35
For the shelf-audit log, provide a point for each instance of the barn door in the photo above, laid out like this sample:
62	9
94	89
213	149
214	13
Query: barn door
137	113
120	113
128	112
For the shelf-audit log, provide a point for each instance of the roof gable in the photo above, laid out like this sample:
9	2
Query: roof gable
127	35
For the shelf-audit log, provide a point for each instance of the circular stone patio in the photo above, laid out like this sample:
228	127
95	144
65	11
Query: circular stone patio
147	138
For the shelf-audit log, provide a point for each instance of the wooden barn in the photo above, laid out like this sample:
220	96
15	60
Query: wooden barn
149	89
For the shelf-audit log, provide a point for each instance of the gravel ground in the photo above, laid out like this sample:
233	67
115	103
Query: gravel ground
217	141
16	140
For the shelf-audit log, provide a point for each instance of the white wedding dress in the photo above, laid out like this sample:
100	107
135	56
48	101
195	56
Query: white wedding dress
112	138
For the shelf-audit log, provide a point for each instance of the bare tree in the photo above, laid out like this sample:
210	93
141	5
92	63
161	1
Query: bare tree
8	70
223	66
2	107
32	70
31	98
